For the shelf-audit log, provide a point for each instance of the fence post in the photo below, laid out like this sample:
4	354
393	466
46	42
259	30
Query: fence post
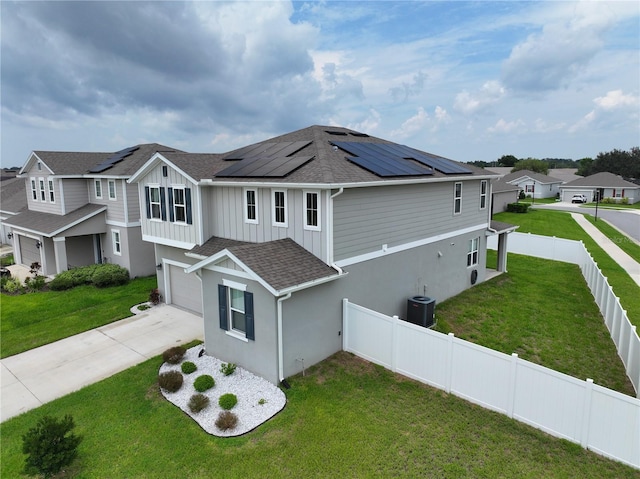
394	348
345	324
586	413
513	369
449	363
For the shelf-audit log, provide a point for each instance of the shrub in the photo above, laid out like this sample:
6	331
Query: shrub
198	402
227	401
61	283
173	355
227	369
110	275
262	401
13	285
50	446
226	420
204	382
34	284
517	207
170	381
522	195
154	296
188	367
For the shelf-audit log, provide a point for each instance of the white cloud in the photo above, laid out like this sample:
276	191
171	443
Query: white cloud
584	122
421	122
469	103
616	99
503	126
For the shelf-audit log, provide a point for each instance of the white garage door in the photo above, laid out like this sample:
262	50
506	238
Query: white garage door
184	289
28	250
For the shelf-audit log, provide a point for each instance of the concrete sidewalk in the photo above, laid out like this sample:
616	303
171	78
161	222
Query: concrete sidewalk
32	378
631	266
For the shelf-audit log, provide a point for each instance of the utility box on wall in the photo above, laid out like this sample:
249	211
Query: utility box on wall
421	311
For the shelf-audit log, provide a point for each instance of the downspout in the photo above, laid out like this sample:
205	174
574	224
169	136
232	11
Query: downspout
283	381
330	233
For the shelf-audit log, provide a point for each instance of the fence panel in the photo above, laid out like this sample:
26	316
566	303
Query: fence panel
420	354
369	339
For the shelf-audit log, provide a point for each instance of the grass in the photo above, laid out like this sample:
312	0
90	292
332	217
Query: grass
620	239
34	319
543	311
561	225
6	260
345	418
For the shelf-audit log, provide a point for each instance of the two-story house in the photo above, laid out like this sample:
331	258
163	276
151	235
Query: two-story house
266	240
81	210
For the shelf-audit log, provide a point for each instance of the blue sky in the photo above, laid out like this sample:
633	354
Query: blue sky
465	80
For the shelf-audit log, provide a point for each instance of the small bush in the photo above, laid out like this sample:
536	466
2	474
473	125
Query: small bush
198	402
227	369
204	382
188	367
34	284
517	207
173	355
13	285
50	446
262	401
61	283
171	381
226	420
227	401
110	275
155	297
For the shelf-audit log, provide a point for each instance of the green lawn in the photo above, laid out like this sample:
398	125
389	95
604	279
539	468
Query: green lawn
561	225
345	418
31	320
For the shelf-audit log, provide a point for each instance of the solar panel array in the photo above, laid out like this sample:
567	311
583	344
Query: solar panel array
260	167
390	159
113	159
285	148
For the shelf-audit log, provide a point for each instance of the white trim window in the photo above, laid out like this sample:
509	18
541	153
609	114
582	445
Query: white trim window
236	310
311	206
457	198
97	186
34	190
155	205
52	194
117	244
472	255
179	205
112	190
530	188
251	206
43	193
483	194
279	210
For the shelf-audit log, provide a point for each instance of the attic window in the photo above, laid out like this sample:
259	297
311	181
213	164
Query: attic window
165	171
39	166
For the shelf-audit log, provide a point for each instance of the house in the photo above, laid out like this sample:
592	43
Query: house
266	240
607	185
503	193
535	185
75	209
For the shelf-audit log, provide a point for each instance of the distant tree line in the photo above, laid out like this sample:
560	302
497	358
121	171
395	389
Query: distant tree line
619	162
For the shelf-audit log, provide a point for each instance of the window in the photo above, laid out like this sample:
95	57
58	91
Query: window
155	206
483	194
117	247
279	208
472	255
112	189
311	209
179	205
529	188
39	166
236	309
457	198
43	194
250	206
52	195
34	190
98	188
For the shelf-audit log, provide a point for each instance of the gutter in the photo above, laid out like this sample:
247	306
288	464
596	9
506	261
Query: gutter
330	231
283	381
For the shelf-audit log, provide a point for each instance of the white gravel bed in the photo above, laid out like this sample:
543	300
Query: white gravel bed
249	389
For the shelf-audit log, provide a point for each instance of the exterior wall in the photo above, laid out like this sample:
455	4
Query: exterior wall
502	199
540	190
115	208
133	202
225	211
135	255
75	194
80	251
365	219
45	206
163	252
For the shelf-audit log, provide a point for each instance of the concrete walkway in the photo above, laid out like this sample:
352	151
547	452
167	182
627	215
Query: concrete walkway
631	266
32	378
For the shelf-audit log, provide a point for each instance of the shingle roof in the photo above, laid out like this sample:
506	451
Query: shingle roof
13	195
214	245
501	227
539	177
48	224
500	186
602	180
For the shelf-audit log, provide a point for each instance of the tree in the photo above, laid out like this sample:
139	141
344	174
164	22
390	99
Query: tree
507	160
532	164
619	162
50	446
585	166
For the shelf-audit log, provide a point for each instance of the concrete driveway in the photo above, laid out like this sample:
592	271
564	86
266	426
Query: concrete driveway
32	378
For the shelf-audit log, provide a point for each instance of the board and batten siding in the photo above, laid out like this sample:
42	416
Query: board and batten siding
365	219
226	218
180	232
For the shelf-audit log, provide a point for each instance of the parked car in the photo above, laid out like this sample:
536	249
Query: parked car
578	199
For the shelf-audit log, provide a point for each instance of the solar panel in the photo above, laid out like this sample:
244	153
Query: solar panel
283	148
392	167
273	167
117	157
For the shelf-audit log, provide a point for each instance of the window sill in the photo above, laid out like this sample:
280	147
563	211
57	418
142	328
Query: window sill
239	336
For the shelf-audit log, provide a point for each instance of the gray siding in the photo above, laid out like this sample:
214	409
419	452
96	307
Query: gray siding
75	193
80	251
115	208
45	206
133	202
365	219
136	255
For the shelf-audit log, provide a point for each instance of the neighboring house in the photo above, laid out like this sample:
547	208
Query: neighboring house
265	241
606	184
81	210
565	174
503	193
535	185
13	200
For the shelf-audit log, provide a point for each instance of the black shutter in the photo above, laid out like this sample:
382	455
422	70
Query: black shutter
148	201
171	205
248	315
222	306
187	199
163	204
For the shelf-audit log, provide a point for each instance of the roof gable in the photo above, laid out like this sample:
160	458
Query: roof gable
602	180
539	177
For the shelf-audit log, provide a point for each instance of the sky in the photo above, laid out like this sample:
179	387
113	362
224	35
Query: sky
471	81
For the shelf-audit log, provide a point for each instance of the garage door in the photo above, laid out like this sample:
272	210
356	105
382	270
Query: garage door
184	289
28	250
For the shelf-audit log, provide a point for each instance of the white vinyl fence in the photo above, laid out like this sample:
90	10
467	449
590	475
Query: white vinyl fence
604	421
623	333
